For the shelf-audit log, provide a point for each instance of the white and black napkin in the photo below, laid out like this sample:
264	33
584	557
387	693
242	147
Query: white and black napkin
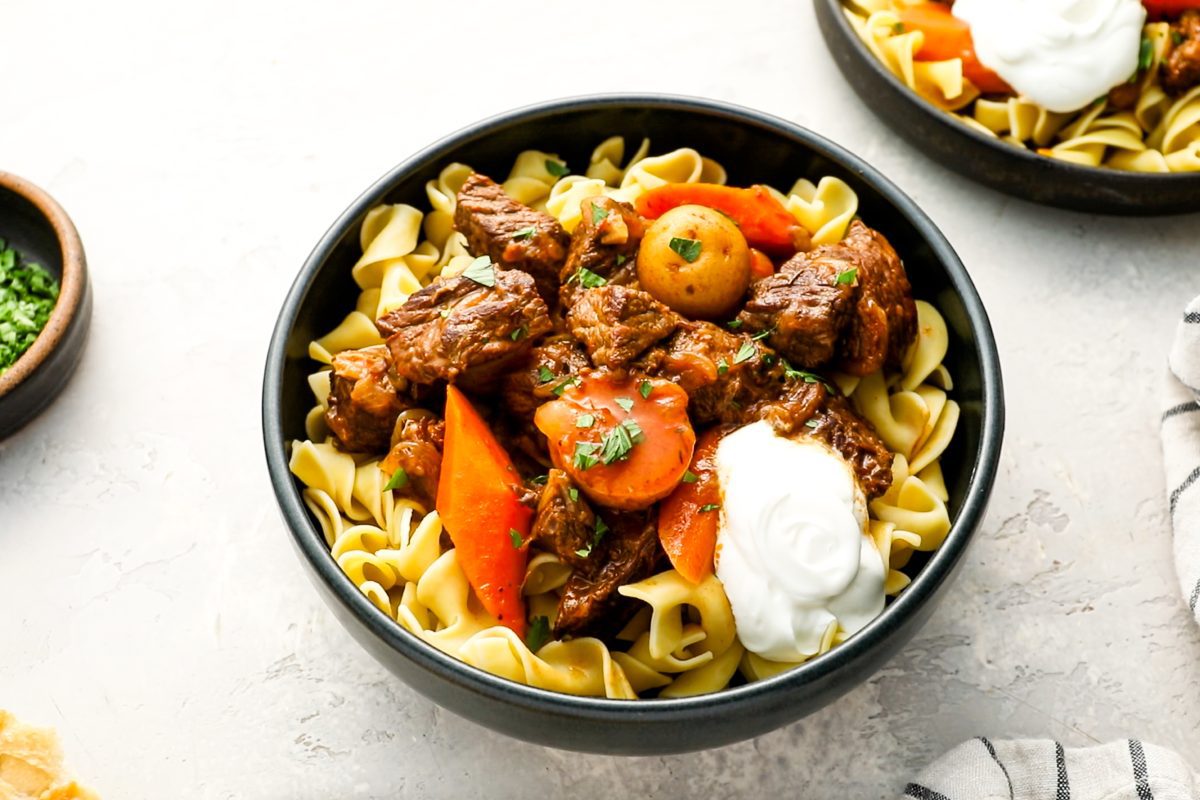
1181	453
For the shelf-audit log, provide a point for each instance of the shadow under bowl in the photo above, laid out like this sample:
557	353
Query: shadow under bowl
754	148
993	162
38	228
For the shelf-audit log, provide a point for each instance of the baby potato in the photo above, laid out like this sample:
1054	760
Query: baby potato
696	261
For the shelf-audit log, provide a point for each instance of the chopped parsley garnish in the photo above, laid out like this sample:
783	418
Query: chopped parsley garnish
585	421
620	259
1145	54
635	430
645	388
481	271
398	480
625	403
598	214
722	366
597	535
525	233
539	633
710	507
807	377
585	455
688	249
587	279
556	168
27	297
746	352
690	477
539	480
574	494
515	535
812	423
758	337
518	333
545	375
562	385
620	440
733	324
848	276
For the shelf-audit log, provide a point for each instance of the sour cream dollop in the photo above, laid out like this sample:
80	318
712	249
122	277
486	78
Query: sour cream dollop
792	551
1061	54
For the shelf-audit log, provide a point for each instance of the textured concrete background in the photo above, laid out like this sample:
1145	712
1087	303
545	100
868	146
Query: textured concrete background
153	609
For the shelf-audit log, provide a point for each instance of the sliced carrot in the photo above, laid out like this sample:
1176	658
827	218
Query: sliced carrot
764	222
625	442
947	37
479	503
687	519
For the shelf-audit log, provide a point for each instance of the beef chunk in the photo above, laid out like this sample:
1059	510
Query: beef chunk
884	320
617	324
1181	70
363	401
460	331
511	233
417	449
606	243
797	402
838	426
541	373
627	553
804	307
565	523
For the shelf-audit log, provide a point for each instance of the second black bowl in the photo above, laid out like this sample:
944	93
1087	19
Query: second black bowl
754	148
992	161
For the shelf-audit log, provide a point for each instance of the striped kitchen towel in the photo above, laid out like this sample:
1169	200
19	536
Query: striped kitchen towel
1044	770
1181	453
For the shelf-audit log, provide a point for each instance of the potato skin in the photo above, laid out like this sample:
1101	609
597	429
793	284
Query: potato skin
711	286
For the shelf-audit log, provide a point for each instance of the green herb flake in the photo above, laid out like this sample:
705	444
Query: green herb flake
758	337
617	443
398	480
556	168
635	431
690	477
518	333
746	352
709	507
625	403
482	272
539	633
644	389
545	375
722	366
515	535
587	279
688	249
562	385
27	297
598	214
1145	54
585	421
539	480
574	494
1177	38
597	535
812	423
898	28
807	377
585	455
525	233
620	259
847	277
733	324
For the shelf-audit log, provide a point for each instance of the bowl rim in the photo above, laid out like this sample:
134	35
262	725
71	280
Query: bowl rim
311	542
72	283
947	121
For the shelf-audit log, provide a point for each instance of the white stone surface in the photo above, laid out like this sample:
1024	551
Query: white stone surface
153	609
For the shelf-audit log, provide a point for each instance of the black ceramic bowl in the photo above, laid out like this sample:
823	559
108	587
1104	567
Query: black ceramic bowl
42	232
991	161
754	148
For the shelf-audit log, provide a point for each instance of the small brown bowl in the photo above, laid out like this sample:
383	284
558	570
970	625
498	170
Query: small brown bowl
33	223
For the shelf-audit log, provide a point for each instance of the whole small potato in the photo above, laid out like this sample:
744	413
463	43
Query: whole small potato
705	273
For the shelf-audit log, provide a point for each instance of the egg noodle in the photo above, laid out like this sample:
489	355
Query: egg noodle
1158	134
683	641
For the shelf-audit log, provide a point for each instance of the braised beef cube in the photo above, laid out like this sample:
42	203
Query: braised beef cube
883	322
542	374
798	401
804	307
617	324
416	449
605	244
1181	69
511	233
841	428
626	553
565	524
363	401
460	331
